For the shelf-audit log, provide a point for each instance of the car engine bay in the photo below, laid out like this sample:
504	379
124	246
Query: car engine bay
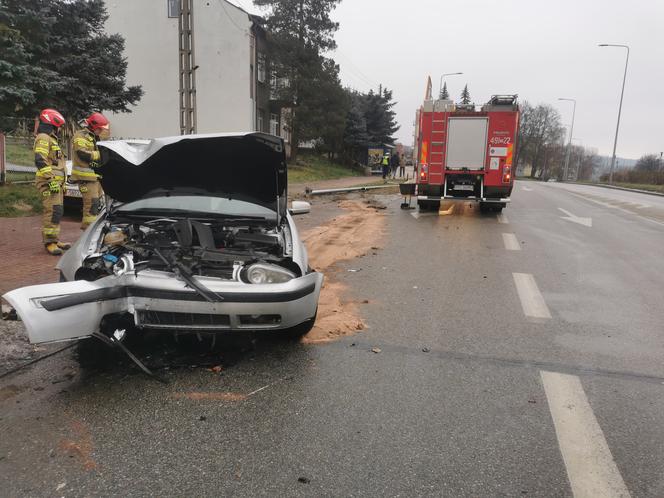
225	248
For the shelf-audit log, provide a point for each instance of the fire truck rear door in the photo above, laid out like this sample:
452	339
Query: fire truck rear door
467	143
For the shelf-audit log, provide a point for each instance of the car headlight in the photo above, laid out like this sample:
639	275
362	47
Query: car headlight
261	273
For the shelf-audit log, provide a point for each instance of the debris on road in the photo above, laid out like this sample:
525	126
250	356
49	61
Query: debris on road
80	445
363	226
303	480
376	350
425	350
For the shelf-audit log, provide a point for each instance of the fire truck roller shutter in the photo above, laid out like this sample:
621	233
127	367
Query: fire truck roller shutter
467	143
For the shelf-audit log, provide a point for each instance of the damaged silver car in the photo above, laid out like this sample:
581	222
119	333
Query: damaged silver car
196	237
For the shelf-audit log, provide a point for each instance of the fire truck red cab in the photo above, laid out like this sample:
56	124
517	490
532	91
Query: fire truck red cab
466	154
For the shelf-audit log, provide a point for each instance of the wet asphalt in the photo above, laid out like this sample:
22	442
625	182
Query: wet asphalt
451	404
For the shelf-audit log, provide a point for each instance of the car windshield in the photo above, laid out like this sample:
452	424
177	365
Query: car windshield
198	204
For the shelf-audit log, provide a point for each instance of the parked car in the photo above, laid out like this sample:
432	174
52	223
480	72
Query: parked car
197	238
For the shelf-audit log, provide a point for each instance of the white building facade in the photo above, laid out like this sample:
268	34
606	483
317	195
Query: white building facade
223	58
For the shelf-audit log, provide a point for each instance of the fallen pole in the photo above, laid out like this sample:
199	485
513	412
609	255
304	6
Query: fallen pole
308	191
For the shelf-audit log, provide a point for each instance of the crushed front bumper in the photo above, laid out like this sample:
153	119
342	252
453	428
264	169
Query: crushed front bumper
157	300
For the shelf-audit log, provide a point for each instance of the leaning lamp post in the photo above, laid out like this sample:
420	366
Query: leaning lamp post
622	92
440	89
569	144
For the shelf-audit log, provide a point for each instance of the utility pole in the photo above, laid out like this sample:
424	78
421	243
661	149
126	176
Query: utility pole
622	92
187	68
569	144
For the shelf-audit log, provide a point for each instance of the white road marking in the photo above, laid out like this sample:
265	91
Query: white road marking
591	470
511	242
502	218
531	298
639	205
417	215
611	206
588	222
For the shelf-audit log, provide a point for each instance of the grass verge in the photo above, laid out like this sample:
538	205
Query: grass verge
19	152
311	167
642	186
19	200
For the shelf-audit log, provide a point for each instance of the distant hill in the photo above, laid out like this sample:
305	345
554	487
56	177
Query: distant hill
604	162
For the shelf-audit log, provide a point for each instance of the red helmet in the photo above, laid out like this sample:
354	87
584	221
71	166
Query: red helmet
52	117
97	121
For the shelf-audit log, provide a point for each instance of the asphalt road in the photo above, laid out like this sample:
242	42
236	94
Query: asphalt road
519	355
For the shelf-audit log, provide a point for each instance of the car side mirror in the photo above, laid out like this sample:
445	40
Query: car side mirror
299	207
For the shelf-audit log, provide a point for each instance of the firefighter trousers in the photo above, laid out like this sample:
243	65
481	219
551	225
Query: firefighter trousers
91	194
52	214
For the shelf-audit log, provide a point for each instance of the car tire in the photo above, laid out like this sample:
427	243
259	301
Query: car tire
91	353
295	333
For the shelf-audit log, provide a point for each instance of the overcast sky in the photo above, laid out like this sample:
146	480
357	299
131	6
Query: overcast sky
538	49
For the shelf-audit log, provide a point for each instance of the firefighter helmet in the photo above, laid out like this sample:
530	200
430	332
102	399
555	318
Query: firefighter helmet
52	117
97	122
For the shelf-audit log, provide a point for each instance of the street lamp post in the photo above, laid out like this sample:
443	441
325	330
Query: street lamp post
569	144
440	89
622	92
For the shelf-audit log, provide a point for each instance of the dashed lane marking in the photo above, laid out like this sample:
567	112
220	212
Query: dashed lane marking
591	470
531	298
502	218
511	242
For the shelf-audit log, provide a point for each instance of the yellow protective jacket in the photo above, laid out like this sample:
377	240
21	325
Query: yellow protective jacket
49	159
85	156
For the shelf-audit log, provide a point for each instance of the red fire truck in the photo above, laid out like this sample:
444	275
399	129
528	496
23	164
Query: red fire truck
466	154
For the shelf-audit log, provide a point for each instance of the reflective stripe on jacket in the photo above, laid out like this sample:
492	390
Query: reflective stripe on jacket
49	159
85	156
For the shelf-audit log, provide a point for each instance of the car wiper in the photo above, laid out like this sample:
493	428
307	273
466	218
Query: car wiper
182	272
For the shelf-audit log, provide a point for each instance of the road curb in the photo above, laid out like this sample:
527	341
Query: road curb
614	187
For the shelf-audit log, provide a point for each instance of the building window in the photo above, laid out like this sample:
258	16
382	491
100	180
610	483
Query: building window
274	124
260	121
261	68
173	8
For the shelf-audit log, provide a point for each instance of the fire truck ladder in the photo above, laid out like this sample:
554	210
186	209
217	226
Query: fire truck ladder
437	139
187	69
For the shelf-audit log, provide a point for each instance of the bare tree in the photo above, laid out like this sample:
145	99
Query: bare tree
540	138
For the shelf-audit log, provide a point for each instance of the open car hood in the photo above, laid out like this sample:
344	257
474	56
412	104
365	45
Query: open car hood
245	166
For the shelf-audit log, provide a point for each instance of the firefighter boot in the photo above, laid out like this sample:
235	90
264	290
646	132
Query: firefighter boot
64	245
53	249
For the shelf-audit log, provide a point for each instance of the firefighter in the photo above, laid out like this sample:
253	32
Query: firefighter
385	163
86	158
50	178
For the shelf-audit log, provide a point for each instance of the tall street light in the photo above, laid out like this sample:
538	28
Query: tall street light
441	81
622	92
569	144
